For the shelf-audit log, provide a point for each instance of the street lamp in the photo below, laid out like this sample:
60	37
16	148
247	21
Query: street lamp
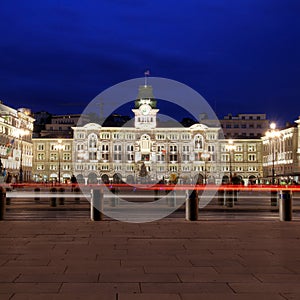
205	156
21	132
59	147
273	134
230	147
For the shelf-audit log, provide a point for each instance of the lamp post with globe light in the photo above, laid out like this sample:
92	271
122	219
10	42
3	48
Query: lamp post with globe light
230	147
205	156
273	135
21	132
230	193
59	146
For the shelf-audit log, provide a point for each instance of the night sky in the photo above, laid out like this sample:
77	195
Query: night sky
242	56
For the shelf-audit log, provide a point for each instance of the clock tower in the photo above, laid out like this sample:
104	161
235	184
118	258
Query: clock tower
145	110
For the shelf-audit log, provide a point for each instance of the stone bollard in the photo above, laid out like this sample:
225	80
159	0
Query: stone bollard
235	196
8	200
2	203
156	192
172	198
53	198
286	206
37	198
61	200
274	198
113	200
191	206
221	197
229	198
97	205
77	191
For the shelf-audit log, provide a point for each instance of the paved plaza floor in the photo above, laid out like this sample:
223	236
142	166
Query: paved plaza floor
169	259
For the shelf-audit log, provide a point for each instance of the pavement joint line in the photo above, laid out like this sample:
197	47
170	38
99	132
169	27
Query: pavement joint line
17	277
177	275
4	263
12	296
228	284
60	287
283	296
257	278
65	269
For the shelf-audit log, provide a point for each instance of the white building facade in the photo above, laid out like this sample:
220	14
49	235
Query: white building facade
16	151
145	152
281	155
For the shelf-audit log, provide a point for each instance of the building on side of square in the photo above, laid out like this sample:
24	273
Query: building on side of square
61	126
244	126
52	159
52	147
281	155
16	151
245	160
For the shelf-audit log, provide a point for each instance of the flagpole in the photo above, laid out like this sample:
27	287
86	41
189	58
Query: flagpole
147	73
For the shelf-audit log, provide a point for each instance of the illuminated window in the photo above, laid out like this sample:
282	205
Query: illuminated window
251	157
40	147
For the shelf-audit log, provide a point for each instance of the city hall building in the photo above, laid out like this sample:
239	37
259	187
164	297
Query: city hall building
144	151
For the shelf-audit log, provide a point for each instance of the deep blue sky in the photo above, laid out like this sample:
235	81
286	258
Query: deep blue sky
242	56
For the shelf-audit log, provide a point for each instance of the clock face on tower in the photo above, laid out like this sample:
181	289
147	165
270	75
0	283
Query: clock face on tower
145	109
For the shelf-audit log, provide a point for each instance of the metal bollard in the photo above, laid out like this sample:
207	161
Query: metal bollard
97	205
53	198
37	198
2	203
191	206
274	198
286	206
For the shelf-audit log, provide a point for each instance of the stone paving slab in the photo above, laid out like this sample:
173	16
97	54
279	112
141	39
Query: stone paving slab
169	259
251	296
63	296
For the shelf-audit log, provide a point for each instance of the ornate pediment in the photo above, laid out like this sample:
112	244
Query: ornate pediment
198	126
92	126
